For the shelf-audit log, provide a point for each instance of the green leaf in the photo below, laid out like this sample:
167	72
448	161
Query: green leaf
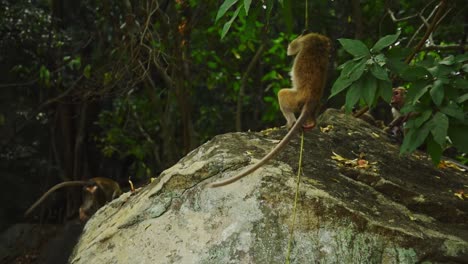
269	99
453	110
415	138
212	65
107	78
457	134
440	71
352	96
437	92
228	24
396	66
247	6
87	71
224	8
449	60
462	98
440	127
461	58
415	93
380	59
44	75
398	53
347	65
415	73
355	47
357	70
435	150
460	83
340	84
75	63
379	72
369	89
420	119
465	67
385	42
385	90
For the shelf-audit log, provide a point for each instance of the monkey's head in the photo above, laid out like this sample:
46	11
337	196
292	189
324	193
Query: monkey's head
93	199
398	98
318	43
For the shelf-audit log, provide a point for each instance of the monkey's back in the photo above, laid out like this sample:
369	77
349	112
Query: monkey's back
311	64
110	188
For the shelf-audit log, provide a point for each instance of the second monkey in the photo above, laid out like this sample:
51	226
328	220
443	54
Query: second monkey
308	76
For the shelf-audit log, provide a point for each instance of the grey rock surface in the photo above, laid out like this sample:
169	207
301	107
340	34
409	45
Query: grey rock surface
359	202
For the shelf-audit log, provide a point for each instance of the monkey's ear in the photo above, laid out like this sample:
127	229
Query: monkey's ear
91	189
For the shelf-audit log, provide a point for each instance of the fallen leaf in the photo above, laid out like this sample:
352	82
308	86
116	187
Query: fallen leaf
326	129
338	157
132	187
362	163
448	164
459	195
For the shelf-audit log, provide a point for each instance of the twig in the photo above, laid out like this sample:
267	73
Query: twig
429	30
394	19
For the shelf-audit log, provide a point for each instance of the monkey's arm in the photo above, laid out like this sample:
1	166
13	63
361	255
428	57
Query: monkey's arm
270	155
54	188
397	121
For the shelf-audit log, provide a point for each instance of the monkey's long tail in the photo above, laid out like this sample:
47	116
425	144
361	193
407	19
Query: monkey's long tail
270	155
56	187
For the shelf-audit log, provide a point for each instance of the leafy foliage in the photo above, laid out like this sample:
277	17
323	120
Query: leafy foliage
366	75
128	131
436	91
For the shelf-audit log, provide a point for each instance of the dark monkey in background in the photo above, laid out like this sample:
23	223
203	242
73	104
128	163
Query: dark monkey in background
308	76
96	193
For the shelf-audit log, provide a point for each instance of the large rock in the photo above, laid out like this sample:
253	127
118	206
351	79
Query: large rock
392	209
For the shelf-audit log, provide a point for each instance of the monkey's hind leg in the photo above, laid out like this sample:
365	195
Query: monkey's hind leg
312	109
288	102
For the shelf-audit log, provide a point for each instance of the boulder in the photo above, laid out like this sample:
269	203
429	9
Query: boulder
359	201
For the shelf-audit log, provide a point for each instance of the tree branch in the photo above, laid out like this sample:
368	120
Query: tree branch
430	29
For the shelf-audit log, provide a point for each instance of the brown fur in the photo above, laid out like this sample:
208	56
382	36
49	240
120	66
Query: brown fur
308	76
395	128
398	98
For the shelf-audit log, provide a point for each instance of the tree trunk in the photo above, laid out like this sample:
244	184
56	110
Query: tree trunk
357	16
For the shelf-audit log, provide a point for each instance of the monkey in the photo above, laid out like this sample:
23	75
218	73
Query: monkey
395	128
397	101
308	77
96	193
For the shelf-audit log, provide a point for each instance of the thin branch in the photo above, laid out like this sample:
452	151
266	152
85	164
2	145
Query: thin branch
166	78
429	31
28	83
433	12
394	19
439	15
148	19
